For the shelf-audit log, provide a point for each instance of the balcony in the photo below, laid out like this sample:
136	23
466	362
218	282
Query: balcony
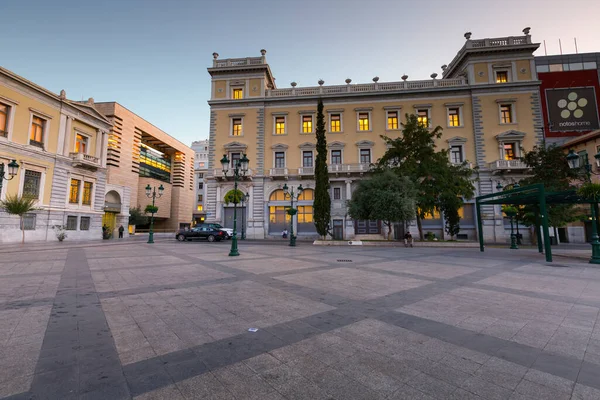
281	172
218	174
84	161
306	171
349	168
507	165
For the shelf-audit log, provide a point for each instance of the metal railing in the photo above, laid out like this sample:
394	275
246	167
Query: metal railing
507	164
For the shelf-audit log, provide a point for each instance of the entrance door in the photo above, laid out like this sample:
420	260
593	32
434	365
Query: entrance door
109	219
367	227
228	218
399	231
338	229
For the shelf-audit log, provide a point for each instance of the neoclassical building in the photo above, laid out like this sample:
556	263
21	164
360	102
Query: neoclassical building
486	100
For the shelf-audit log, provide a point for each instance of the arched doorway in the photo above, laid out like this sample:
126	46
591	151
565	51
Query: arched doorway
112	207
279	218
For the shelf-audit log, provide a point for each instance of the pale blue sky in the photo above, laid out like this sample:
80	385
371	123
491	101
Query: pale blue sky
151	56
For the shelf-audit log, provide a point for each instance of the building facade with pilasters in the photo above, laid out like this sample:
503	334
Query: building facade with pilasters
486	100
60	146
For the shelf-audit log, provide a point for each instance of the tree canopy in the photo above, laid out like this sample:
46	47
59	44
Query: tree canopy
322	202
385	197
20	206
233	197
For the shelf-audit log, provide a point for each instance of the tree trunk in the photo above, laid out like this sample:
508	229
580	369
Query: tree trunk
420	228
389	225
22	229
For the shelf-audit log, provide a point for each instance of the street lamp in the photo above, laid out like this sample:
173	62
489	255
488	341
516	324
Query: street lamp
292	211
239	170
245	199
12	172
575	163
151	193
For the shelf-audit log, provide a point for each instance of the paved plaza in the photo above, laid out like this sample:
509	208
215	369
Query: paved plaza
171	321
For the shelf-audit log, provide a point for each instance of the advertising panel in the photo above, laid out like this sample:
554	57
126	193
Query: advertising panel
572	109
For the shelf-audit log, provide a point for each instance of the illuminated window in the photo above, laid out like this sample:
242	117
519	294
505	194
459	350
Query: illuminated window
4	109
278	218
423	117
236	127
456	154
365	156
277	195
510	150
87	194
36	136
74	191
280	125
307	194
506	116
435	215
335	122
200	207
501	76
238	94
392	120
279	159
454	116
337	193
305	214
81	144
307	124
363	121
307	158
336	156
154	164
235	159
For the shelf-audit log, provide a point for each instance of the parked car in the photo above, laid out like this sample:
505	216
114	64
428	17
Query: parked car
201	231
229	231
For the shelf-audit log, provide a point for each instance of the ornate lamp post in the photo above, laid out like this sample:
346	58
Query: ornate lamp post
575	163
292	211
151	193
12	172
239	170
245	199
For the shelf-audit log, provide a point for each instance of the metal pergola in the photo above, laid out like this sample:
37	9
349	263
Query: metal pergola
529	195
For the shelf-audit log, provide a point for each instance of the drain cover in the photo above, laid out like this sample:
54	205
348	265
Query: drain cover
344	260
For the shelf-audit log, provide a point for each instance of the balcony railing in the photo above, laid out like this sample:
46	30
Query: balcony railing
349	167
507	164
238	62
218	173
281	172
306	171
85	160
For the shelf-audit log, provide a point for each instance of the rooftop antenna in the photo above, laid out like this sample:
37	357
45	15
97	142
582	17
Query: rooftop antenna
545	50
575	40
560	46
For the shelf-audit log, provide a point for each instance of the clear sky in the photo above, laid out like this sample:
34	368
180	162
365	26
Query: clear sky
151	55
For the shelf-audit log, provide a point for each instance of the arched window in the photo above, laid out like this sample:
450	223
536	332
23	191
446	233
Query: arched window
277	195
307	194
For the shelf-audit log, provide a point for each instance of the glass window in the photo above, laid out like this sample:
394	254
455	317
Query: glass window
575	66
556	67
36	136
454	116
423	116
74	191
590	65
200	175
4	109
307	158
509	151
307	194
200	185
84	224
235	158
87	194
31	184
392	120
365	156
501	76
542	68
456	154
277	195
336	156
154	164
565	67
199	207
307	124
336	122
363	121
279	159
236	127
279	125
337	193
72	223
200	198
28	223
238	94
305	214
81	144
279	219
434	215
506	113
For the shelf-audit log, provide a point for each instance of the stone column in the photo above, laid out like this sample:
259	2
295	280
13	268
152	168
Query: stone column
218	204
67	144
99	142
62	127
348	189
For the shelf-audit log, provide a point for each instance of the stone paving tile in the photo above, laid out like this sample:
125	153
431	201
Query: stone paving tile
425	269
472	261
353	284
582	392
540	284
168	392
260	266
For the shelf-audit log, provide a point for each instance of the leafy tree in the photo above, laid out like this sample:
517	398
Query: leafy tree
441	185
137	217
20	206
322	202
385	197
233	197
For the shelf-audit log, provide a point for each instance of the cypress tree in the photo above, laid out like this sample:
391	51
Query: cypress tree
322	202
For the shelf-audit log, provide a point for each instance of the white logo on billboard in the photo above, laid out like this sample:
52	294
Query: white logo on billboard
572	105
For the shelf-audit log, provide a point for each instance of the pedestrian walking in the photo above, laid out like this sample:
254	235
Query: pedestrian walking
408	239
121	230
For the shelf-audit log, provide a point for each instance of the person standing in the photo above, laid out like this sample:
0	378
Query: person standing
284	234
121	230
408	239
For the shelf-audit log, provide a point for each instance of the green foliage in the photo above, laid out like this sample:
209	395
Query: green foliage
60	231
590	191
510	211
450	205
137	217
441	185
430	236
150	209
20	206
322	202
233	196
385	197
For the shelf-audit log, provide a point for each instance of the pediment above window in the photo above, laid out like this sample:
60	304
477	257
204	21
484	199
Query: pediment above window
365	143
457	140
510	135
336	145
307	146
233	146
279	146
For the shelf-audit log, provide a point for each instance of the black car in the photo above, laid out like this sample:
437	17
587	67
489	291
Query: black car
200	232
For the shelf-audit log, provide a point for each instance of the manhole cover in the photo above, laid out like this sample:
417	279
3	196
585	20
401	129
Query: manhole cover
344	260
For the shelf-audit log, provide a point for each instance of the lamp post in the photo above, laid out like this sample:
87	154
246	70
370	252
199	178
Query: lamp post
239	170
12	172
292	211
151	193
245	199
575	163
